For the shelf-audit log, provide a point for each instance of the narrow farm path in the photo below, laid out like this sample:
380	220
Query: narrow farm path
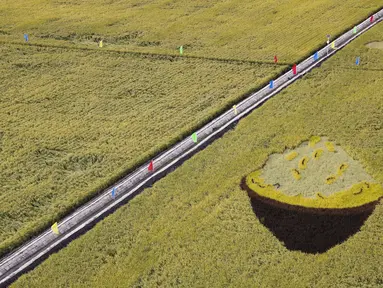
145	54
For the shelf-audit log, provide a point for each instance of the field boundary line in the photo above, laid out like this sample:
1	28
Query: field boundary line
148	54
28	254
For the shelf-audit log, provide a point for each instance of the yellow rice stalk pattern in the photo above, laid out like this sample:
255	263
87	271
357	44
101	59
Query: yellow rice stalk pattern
314	140
365	187
296	174
330	147
303	163
292	155
317	154
341	169
358	194
319	195
331	179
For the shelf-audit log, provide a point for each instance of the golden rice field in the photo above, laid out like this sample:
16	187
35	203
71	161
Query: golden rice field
75	120
250	30
74	117
197	228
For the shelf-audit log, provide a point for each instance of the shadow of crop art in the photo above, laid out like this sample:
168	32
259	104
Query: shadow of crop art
308	232
312	197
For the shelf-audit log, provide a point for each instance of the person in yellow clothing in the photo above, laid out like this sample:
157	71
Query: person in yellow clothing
100	44
55	228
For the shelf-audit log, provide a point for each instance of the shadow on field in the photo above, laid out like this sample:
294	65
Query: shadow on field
307	229
306	232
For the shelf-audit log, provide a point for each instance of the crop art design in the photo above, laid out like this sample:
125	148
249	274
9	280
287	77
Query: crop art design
314	196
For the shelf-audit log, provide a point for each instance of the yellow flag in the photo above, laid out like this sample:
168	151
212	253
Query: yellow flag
55	229
100	44
333	45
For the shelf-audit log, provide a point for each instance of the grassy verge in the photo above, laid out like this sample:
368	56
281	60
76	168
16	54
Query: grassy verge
196	226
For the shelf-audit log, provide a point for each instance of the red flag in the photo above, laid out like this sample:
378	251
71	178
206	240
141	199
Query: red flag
372	18
150	167
275	59
295	69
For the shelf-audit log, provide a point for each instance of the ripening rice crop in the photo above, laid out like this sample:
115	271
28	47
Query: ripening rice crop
331	179
314	140
196	227
90	117
303	163
214	28
330	146
296	174
317	154
290	156
342	168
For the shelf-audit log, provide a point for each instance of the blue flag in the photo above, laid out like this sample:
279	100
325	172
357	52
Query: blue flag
271	85
26	38
357	60
316	56
113	192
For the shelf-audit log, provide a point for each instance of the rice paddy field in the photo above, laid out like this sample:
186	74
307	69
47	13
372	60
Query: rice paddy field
250	30
197	228
74	117
75	120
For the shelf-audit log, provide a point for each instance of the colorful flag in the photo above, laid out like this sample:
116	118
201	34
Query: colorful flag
295	69
113	192
150	167
357	60
271	85
354	30
275	59
372	18
316	56
26	38
333	45
55	229
194	137
181	50
235	109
